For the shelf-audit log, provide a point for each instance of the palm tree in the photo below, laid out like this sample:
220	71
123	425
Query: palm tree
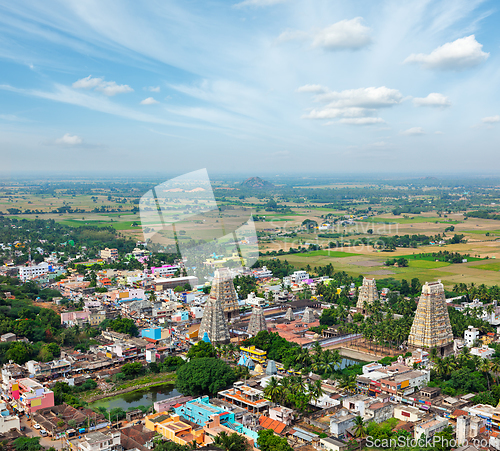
233	442
485	367
315	390
359	429
348	382
273	389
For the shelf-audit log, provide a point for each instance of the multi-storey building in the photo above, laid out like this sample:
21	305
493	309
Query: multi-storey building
30	272
109	254
30	395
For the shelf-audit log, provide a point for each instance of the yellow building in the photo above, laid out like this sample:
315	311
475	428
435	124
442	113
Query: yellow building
172	428
255	354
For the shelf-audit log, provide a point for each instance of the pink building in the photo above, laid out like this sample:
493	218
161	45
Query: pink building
71	318
30	395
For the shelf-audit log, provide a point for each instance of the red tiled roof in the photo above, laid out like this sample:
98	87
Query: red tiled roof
275	425
459	413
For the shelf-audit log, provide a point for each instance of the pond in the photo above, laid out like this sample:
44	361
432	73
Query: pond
144	397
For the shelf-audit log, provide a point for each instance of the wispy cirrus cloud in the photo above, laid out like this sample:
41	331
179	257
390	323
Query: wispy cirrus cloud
457	55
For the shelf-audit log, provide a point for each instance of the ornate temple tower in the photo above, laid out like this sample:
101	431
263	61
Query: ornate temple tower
214	323
257	321
223	290
367	292
308	316
289	314
431	327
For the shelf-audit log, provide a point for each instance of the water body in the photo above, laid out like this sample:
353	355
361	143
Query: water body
144	397
348	362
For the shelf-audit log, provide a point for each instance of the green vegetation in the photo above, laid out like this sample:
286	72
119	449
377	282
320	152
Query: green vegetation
269	441
203	376
444	256
200	350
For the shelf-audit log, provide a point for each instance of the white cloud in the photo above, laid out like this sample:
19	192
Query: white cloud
460	54
315	89
362	121
258	3
414	131
362	97
352	106
149	101
490	119
69	140
343	35
434	99
153	88
109	88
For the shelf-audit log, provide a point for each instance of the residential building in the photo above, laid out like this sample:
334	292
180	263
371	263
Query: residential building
8	337
254	300
407	413
8	421
48	370
483	351
30	395
379	412
340	422
96	317
33	271
244	396
471	335
172	428
283	414
430	428
332	444
165	270
74	318
101	441
299	277
405	383
109	254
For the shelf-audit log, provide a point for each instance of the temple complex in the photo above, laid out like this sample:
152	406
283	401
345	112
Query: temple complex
223	290
257	321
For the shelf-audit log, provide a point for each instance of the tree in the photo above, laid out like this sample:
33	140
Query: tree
19	352
204	375
201	349
233	442
27	444
268	441
359	427
131	370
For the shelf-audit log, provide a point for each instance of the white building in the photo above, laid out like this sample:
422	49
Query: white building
101	441
483	351
299	276
470	336
340	422
8	421
255	301
30	272
430	428
262	273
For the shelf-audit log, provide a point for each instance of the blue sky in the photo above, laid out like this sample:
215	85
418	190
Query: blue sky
255	86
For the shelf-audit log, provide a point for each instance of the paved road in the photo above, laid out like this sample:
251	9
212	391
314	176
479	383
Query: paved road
44	441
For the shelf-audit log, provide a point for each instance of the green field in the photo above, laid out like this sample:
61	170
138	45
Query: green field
493	266
332	254
433	258
427	264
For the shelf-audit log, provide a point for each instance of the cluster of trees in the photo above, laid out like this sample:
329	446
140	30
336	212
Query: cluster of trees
392	242
247	284
64	392
401	262
473	291
483	214
467	373
203	376
293	392
121	325
442	256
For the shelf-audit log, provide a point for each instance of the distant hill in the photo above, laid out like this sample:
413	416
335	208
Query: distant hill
256	183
